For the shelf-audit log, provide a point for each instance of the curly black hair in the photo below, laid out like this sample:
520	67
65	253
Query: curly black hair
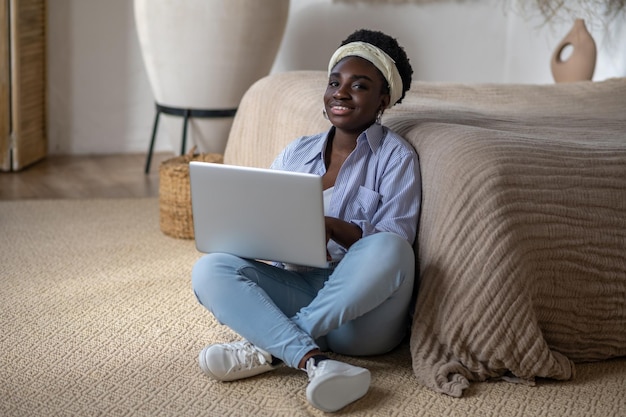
391	47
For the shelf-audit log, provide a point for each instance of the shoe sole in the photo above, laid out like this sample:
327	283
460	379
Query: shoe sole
338	391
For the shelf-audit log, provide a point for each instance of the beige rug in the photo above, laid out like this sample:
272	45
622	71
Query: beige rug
97	318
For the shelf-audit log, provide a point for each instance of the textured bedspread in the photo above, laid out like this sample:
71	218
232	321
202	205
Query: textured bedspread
522	237
522	241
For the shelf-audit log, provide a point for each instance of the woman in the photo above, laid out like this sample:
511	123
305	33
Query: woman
359	304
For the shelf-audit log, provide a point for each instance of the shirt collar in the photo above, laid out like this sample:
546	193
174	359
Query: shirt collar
374	135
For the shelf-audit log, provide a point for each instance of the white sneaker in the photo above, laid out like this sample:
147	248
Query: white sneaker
333	384
231	361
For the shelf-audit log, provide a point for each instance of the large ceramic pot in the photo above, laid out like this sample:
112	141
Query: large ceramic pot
203	55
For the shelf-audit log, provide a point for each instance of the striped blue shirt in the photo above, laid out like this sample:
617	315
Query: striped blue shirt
378	187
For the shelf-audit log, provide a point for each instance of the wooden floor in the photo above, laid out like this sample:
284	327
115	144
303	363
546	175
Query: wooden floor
106	176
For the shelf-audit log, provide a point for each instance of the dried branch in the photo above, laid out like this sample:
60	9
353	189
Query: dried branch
554	10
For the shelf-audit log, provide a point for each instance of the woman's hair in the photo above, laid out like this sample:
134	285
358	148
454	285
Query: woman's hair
391	47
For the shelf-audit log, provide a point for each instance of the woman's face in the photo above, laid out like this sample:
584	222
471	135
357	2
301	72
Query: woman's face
354	94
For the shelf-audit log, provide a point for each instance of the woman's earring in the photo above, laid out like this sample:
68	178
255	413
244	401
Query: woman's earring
325	114
379	117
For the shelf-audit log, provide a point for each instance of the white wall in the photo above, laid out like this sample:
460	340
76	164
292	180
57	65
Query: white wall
100	99
470	41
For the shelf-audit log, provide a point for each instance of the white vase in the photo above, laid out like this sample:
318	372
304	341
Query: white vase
204	54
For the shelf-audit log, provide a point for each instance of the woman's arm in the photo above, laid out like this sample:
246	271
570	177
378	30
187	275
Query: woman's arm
342	232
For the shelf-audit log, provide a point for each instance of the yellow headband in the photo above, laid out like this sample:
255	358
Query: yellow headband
385	64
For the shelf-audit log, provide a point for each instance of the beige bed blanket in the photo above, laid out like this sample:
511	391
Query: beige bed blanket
522	238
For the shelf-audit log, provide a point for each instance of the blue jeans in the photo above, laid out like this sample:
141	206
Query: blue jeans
360	307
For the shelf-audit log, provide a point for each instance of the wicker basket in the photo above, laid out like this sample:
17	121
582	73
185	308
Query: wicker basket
175	216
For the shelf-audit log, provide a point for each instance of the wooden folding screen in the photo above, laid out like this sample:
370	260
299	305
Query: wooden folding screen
22	83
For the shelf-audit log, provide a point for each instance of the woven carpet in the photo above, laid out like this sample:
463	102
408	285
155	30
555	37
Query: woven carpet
97	318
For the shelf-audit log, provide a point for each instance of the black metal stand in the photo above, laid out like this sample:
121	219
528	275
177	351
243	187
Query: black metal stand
186	113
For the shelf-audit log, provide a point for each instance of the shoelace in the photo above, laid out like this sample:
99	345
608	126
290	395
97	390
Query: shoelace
311	368
248	356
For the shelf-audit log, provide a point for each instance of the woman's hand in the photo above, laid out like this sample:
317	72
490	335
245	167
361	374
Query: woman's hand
342	232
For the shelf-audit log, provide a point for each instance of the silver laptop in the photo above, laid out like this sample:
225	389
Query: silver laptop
258	213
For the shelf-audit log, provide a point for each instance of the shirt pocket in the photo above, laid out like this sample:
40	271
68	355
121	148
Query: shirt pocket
366	203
